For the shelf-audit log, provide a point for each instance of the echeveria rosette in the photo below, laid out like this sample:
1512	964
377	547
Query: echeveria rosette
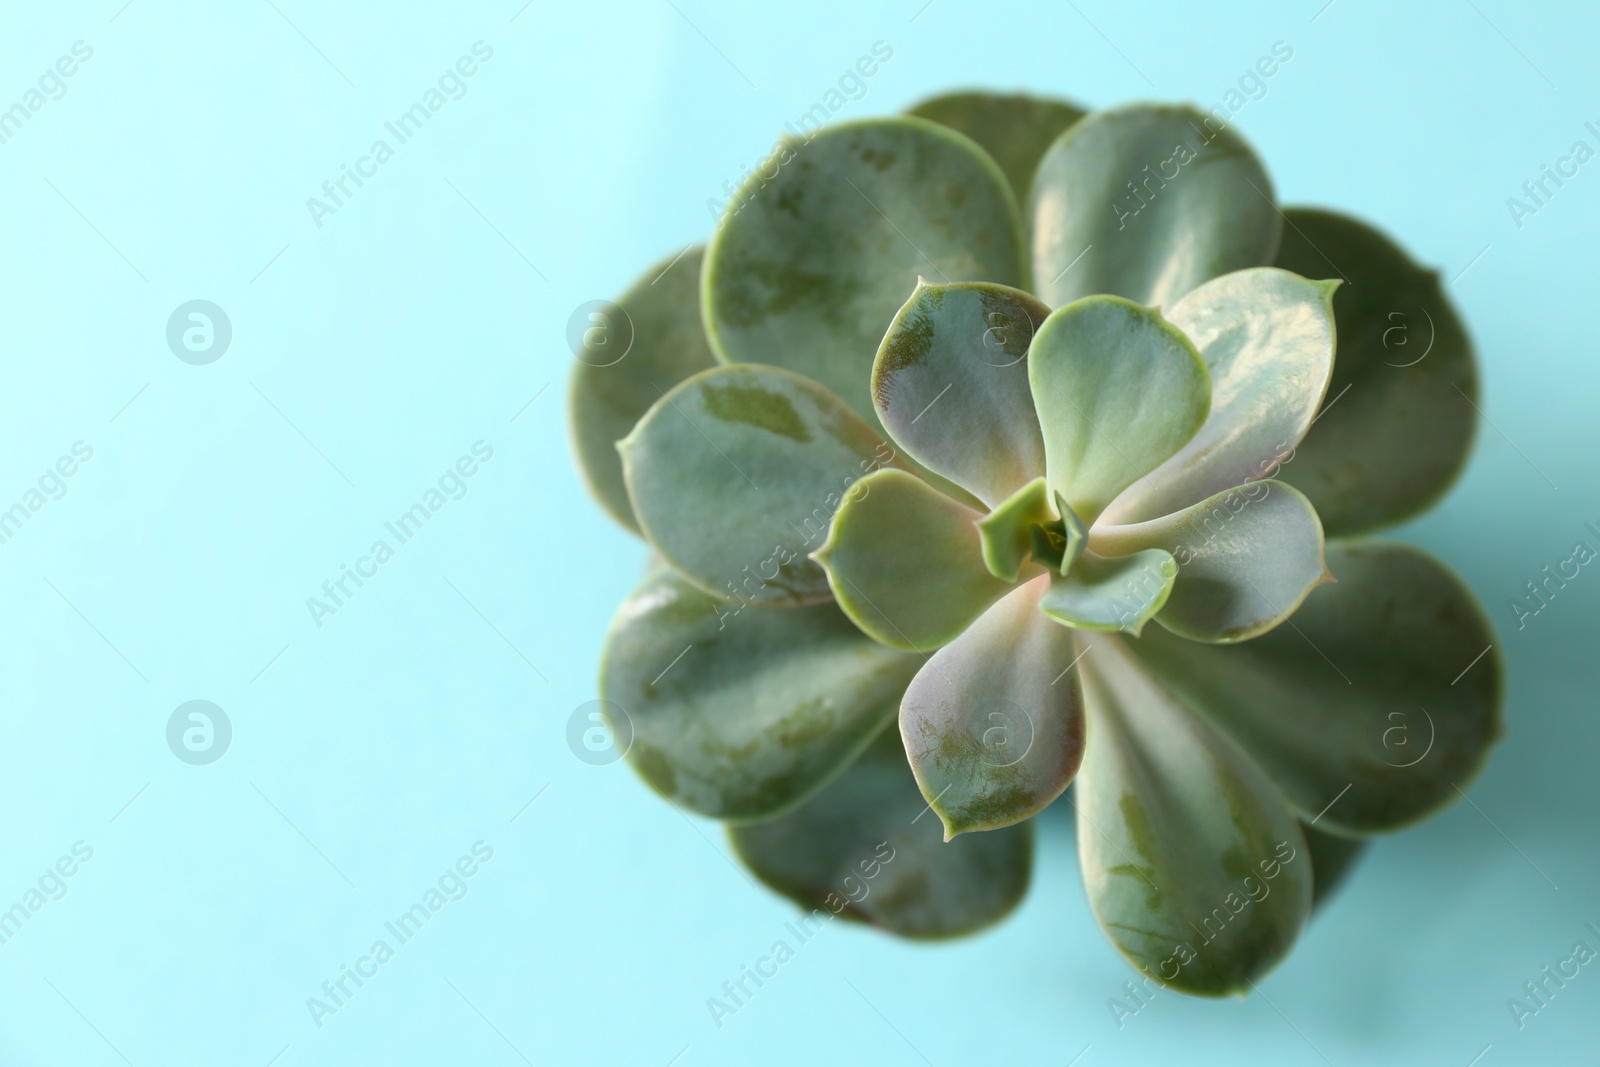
1049	510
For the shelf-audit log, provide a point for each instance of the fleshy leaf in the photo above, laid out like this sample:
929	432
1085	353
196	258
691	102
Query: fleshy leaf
1195	868
809	265
993	722
1147	202
1014	129
661	343
736	473
1246	559
950	384
739	712
1366	713
1004	531
1267	339
905	562
866	849
1117	593
1400	414
1118	390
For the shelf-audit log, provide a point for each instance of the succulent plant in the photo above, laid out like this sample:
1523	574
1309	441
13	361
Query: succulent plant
1077	503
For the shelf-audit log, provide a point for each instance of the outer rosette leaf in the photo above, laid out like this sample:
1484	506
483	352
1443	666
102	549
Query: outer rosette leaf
863	849
1015	130
1147	202
905	562
736	473
993	722
950	384
1401	406
1118	390
1195	868
1364	713
742	713
661	342
1246	559
808	266
1267	339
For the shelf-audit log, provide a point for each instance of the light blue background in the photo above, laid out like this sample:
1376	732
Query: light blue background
424	716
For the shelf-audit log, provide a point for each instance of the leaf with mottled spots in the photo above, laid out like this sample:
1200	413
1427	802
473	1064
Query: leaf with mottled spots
867	850
950	384
1365	712
1111	593
1118	390
662	342
1267	338
993	722
1400	414
736	474
1015	129
1246	559
1148	202
741	712
811	262
905	562
1194	865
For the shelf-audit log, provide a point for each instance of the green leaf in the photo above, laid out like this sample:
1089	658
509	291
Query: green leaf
950	384
1400	414
1014	129
993	722
740	712
1246	559
736	473
1267	339
865	849
1005	534
1195	868
1119	593
810	264
905	562
1365	713
1118	390
660	342
1147	202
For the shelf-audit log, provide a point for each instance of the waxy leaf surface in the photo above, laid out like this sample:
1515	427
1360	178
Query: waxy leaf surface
736	473
808	266
830	855
950	384
1194	865
1147	202
740	712
628	361
906	563
1118	389
993	722
1401	408
1365	712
